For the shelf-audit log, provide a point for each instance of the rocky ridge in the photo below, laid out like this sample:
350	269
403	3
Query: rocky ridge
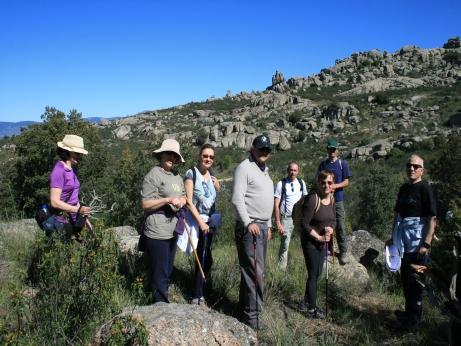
315	107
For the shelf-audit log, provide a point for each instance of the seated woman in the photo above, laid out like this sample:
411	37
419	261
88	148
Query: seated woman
201	188
65	189
162	196
319	220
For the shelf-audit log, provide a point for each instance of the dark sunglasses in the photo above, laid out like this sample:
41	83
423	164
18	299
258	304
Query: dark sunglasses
265	150
292	187
211	157
414	165
331	149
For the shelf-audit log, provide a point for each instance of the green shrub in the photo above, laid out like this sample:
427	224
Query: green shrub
77	289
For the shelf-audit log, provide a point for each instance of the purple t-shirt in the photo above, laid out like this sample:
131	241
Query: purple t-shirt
64	178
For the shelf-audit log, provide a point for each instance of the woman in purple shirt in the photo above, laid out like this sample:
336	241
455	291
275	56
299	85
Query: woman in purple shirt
65	187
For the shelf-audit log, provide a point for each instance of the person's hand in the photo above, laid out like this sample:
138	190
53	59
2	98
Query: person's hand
389	242
253	229
269	233
204	227
423	251
84	210
178	202
329	230
280	228
216	183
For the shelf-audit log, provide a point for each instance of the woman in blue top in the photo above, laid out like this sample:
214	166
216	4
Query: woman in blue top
201	189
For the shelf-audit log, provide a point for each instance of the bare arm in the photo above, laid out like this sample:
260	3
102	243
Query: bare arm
341	185
278	221
430	235
189	187
55	200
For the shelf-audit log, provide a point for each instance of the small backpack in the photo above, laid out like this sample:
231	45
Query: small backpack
297	213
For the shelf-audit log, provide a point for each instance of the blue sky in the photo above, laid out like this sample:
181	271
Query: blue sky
116	58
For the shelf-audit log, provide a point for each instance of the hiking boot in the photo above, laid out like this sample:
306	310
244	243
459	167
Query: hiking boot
401	315
316	313
303	306
343	258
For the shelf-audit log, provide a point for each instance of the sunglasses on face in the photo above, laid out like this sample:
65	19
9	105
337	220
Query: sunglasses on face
265	150
414	166
331	149
326	182
211	157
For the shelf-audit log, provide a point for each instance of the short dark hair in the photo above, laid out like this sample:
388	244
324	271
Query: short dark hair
325	174
63	154
206	146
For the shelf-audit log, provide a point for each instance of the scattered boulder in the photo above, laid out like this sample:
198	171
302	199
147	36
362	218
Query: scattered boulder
181	324
366	248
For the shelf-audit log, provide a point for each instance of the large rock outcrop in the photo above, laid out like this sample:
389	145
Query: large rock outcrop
180	324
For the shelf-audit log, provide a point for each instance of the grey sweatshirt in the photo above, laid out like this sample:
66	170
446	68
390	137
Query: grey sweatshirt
253	193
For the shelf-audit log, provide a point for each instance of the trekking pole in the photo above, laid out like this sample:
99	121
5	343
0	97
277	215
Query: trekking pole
326	280
197	260
256	282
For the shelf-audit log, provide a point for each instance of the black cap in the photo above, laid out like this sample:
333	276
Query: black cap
262	142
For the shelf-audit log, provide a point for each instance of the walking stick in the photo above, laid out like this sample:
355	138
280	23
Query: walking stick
256	282
326	280
197	260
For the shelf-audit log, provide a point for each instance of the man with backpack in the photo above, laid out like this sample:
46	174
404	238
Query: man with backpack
341	171
288	191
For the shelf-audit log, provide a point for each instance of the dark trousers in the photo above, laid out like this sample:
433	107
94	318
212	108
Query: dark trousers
161	255
252	257
413	284
314	256
206	260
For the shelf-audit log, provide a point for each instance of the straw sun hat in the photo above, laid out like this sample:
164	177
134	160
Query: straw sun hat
73	143
169	145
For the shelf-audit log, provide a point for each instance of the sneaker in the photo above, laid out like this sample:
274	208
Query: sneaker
198	301
343	258
316	313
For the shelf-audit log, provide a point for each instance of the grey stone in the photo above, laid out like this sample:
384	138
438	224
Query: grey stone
180	324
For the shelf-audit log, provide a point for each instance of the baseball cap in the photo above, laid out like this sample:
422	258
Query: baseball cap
331	143
262	142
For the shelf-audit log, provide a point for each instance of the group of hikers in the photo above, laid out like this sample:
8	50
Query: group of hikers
180	212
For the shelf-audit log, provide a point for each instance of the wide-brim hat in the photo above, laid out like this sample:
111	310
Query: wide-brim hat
169	145
73	143
393	260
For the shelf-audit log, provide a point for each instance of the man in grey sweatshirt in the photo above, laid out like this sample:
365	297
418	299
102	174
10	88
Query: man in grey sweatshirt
252	197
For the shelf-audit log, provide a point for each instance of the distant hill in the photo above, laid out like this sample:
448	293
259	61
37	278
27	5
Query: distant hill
14	128
9	128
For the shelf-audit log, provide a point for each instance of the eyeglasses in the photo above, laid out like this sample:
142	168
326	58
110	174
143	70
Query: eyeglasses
211	157
331	149
326	182
414	166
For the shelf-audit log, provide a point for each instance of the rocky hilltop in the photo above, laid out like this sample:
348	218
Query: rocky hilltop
373	100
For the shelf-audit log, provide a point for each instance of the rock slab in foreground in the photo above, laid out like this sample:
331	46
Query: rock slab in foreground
183	324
